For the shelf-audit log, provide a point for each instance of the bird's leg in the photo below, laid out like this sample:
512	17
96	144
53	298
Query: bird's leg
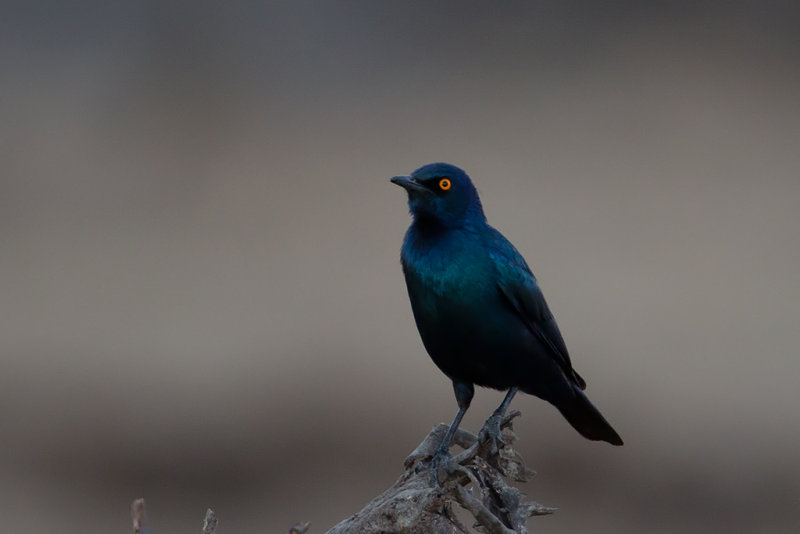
491	428
441	459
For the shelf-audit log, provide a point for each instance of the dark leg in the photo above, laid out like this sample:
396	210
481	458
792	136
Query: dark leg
501	410
491	429
444	447
464	393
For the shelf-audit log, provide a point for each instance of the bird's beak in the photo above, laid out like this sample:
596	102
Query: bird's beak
409	184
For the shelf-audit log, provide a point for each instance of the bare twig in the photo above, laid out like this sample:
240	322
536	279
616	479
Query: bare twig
210	522
485	518
139	517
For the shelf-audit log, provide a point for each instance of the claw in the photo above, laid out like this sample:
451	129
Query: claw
491	434
441	461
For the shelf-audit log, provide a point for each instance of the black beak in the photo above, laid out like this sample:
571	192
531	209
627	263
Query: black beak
409	184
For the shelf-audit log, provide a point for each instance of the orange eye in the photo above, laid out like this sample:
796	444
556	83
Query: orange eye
445	184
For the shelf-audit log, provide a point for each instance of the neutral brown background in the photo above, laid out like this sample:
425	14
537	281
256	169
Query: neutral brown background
201	299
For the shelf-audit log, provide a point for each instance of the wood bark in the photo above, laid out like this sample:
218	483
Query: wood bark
474	481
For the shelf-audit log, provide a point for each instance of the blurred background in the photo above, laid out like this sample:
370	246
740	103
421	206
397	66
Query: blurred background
202	302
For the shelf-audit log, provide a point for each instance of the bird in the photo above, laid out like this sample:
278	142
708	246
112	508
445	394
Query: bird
480	311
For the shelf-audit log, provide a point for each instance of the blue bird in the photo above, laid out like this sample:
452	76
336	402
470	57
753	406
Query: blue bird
479	310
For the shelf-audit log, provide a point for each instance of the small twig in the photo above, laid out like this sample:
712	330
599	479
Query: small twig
481	514
210	522
509	418
464	438
139	517
470	477
467	454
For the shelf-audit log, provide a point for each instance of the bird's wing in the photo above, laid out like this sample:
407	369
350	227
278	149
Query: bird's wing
520	289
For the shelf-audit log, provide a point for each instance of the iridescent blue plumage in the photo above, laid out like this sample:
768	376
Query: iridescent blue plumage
479	310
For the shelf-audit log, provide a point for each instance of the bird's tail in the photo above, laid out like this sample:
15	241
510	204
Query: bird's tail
586	419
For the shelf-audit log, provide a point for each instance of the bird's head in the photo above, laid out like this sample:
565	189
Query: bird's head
442	193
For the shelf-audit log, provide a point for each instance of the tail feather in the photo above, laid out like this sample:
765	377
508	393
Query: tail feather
586	419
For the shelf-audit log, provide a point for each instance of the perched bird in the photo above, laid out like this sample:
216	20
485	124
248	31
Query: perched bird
479	309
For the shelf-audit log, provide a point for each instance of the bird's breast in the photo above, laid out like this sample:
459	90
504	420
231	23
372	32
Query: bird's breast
460	313
447	269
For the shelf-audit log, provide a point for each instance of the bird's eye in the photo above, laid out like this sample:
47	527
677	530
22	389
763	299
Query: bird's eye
445	184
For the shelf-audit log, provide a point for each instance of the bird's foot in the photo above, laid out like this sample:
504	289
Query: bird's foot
492	435
442	466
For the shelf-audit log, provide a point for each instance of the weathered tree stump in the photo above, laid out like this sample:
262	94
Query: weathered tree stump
474	481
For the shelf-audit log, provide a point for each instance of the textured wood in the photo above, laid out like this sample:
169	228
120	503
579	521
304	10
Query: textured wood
474	480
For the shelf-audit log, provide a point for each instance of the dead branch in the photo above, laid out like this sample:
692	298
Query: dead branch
210	522
475	482
139	518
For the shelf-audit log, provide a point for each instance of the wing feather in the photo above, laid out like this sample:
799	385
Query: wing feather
519	287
